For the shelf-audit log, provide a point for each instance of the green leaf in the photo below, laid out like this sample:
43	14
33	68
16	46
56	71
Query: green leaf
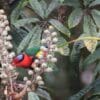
16	12
44	94
85	90
95	2
75	53
25	3
95	96
87	2
23	22
32	96
61	1
44	4
60	27
51	7
73	3
19	33
62	45
36	38
26	40
37	7
90	44
81	93
97	69
64	50
91	58
96	17
61	41
75	18
88	26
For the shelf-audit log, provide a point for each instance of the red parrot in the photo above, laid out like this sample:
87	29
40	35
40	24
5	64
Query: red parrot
25	60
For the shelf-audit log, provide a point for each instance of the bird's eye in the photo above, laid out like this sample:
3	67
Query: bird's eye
20	57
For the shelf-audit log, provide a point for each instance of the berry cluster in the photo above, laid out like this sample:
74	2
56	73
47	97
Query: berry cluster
46	56
8	73
5	46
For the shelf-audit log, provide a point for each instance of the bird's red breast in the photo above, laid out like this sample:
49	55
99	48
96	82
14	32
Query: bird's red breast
25	62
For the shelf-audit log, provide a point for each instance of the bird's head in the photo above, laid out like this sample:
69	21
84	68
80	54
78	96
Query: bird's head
22	60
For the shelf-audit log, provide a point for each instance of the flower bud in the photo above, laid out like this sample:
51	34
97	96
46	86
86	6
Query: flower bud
4	82
25	78
5	92
30	72
36	61
53	59
3	75
4	65
52	46
5	33
37	69
7	28
28	82
54	33
12	54
10	67
48	39
46	31
2	11
55	40
51	28
9	46
55	49
2	25
4	17
44	65
43	41
40	83
38	78
48	69
5	52
21	85
49	56
6	22
9	37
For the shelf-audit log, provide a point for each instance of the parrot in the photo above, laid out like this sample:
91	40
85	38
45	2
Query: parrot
26	59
